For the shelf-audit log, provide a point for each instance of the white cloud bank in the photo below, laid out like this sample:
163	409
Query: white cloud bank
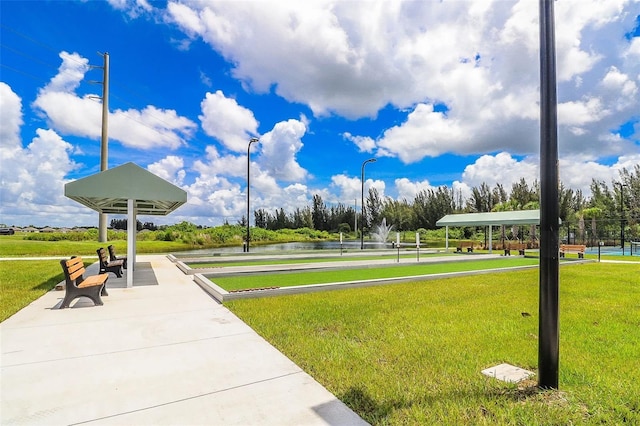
479	58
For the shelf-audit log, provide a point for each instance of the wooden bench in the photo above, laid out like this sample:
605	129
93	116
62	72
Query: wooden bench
465	244
521	247
573	248
107	265
77	285
113	257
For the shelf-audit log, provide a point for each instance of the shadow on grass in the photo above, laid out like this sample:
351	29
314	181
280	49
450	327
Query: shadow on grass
50	283
528	390
383	412
359	401
379	412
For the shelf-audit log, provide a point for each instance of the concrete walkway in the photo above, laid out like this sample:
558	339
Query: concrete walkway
162	352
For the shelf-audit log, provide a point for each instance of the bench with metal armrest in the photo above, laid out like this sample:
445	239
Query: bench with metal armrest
515	246
573	248
465	244
77	285
107	265
113	257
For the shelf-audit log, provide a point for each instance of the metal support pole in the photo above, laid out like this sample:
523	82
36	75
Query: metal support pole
252	140
370	160
599	247
490	239
131	240
362	208
622	216
446	239
548	331
355	214
104	141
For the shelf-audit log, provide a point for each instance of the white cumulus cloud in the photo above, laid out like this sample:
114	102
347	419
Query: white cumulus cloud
10	118
279	149
70	114
225	120
170	168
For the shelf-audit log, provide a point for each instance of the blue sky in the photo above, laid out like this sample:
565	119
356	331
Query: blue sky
440	93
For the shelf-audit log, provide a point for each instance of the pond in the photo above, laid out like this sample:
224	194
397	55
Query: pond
297	246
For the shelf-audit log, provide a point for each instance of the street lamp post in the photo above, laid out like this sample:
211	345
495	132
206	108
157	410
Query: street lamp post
548	324
252	140
621	215
370	160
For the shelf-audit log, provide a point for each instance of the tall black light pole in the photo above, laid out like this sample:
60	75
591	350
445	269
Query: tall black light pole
548	331
370	160
252	140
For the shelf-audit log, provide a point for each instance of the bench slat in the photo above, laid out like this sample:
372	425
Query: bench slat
573	248
94	280
75	266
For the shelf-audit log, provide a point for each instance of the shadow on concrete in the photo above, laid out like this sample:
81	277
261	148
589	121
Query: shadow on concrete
333	412
143	276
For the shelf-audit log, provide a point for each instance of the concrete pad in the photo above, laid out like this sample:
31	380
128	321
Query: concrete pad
152	354
508	373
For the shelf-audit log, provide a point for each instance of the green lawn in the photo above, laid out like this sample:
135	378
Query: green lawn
16	246
412	353
294	278
23	281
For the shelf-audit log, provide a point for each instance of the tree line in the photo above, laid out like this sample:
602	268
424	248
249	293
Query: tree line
606	205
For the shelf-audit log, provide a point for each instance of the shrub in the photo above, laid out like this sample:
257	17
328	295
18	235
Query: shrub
345	228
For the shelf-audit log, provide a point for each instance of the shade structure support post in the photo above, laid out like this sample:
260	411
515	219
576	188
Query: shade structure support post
446	239
102	227
490	239
104	141
131	241
548	331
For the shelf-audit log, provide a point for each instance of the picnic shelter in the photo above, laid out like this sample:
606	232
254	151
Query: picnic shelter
127	189
490	219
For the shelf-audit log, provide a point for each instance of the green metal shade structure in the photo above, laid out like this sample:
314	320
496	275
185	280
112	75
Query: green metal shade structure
127	189
518	217
490	219
108	191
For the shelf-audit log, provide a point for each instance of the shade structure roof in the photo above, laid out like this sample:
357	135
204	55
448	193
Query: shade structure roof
518	217
109	191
